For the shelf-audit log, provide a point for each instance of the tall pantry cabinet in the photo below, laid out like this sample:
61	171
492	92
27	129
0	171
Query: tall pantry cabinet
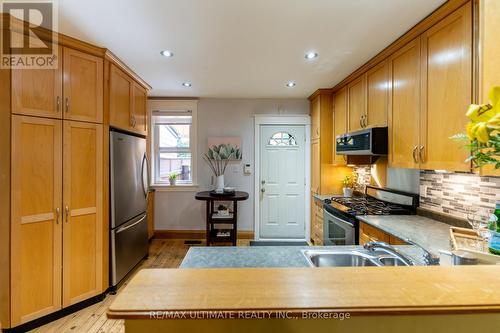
54	128
56	185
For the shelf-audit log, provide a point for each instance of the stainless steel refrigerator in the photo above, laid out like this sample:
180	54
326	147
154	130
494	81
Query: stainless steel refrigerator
129	191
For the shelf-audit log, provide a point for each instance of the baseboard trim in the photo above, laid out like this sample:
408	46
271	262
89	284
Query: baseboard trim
194	234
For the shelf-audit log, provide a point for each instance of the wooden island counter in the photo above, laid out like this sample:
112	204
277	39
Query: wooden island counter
388	299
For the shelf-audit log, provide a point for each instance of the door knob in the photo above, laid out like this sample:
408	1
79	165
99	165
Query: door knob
263	190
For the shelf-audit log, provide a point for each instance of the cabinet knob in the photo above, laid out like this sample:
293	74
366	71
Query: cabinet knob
67	104
58	103
58	212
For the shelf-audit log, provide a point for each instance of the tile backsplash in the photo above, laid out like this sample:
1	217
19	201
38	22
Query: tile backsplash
362	177
457	193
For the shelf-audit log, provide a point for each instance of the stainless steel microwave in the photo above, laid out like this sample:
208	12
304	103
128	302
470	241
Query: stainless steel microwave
369	141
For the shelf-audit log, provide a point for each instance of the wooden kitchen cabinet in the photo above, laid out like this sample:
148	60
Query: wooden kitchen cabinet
127	102
369	233
82	202
377	95
356	103
446	58
339	122
317	222
404	110
36	217
37	92
315	118
83	86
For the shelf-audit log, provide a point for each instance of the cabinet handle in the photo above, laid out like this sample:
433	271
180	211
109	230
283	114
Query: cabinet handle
67	213
58	213
365	121
414	154
421	152
58	103
361	121
67	104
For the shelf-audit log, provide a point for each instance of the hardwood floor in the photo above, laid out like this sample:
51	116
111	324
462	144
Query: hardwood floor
163	253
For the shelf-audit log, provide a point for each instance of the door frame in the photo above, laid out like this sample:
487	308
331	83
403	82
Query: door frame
282	120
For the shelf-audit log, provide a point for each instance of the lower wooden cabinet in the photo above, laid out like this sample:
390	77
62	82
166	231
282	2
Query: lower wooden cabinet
56	220
82	199
368	233
316	221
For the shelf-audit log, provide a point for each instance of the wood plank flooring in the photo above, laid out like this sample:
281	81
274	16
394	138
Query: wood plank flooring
163	253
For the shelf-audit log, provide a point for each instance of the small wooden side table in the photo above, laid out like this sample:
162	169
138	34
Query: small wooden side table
212	220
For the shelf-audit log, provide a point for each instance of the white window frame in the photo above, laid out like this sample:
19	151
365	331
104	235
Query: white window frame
174	107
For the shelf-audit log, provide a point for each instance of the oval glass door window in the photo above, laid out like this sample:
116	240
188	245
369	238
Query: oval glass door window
282	139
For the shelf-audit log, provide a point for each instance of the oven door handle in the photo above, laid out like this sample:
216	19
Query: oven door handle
336	219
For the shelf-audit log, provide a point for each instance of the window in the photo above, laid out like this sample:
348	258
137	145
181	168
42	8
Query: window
282	139
172	146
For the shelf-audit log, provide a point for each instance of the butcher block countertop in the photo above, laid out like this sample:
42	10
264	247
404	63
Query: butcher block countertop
357	290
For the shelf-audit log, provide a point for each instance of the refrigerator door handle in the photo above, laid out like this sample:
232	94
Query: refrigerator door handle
144	187
130	225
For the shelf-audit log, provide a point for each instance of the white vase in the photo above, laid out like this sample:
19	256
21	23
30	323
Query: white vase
347	192
220	182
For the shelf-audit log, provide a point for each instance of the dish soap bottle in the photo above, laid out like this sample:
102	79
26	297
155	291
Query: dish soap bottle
494	242
497	214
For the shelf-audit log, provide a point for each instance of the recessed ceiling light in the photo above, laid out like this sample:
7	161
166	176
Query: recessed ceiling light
187	84
290	84
167	53
311	55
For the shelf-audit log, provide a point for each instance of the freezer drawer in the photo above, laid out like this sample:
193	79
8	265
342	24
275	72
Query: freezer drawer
129	245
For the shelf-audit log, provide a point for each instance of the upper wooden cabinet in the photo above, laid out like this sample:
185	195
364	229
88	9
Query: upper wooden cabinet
315	118
377	95
37	92
339	122
356	97
446	91
36	218
127	102
72	91
404	66
82	202
83	86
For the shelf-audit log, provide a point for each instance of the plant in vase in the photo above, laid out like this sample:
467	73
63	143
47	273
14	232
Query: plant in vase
218	157
172	178
483	132
347	186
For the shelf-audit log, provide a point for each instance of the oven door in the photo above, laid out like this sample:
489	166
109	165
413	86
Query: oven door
337	231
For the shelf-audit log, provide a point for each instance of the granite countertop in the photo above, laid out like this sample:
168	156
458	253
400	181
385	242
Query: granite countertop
322	197
266	256
428	233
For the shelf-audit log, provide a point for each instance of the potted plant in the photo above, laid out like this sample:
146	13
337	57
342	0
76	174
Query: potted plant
218	157
172	178
347	186
222	210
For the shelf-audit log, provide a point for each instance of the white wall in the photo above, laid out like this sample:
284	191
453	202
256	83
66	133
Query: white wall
221	117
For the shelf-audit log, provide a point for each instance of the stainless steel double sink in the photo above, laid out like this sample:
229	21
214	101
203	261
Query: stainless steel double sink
350	258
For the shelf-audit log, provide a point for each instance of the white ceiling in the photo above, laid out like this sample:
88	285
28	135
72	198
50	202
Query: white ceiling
242	48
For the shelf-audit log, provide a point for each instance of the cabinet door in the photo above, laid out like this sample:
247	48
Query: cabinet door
377	91
339	121
120	99
315	166
139	117
315	117
404	109
36	224
446	90
37	92
356	94
82	198
83	86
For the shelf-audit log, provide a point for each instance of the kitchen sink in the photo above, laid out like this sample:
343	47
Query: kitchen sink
332	259
354	258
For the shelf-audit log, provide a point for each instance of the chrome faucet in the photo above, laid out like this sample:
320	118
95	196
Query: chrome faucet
374	246
429	258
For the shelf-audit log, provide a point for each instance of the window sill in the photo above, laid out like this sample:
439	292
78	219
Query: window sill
175	188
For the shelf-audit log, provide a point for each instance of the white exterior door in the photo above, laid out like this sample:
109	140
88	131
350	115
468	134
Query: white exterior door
282	182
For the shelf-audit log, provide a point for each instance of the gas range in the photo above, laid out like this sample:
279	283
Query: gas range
363	205
340	223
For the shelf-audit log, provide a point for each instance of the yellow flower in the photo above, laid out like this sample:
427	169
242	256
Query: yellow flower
480	112
470	131
481	133
494	96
